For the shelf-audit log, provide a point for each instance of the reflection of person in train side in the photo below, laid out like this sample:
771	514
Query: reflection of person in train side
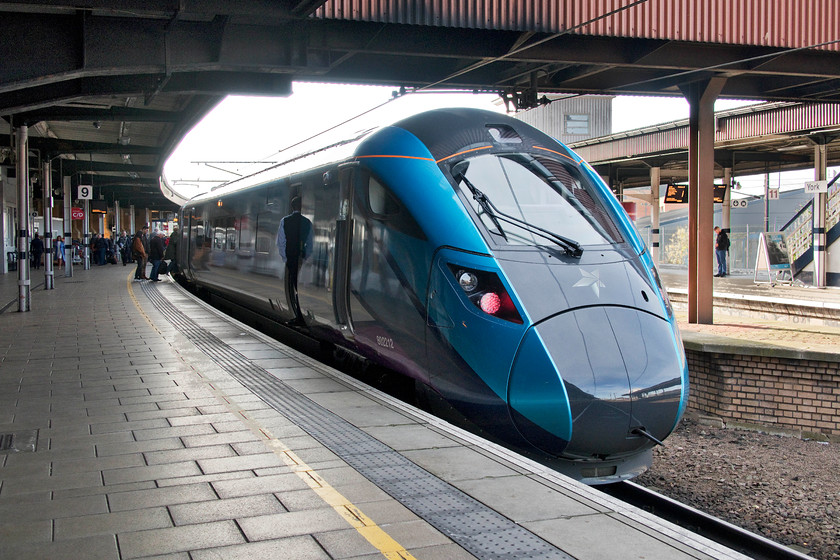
294	243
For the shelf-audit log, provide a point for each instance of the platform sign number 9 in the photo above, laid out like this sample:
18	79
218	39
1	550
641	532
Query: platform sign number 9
85	192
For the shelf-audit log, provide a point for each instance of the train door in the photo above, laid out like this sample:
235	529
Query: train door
387	263
184	245
199	243
319	196
343	240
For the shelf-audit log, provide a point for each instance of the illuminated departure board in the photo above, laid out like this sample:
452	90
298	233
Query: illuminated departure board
678	194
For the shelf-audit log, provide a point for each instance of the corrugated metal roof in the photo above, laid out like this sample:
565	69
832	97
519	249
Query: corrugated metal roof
769	23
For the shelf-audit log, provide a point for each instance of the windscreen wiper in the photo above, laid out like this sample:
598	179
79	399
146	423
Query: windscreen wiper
571	246
485	204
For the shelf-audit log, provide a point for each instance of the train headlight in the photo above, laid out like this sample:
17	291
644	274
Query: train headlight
467	280
486	291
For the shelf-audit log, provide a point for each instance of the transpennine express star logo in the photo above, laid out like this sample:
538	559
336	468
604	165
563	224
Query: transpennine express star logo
590	279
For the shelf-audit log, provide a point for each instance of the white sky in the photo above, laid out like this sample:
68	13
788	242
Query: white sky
246	129
249	129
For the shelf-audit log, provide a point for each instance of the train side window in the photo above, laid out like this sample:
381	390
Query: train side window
267	224
198	232
380	201
246	232
207	240
382	205
218	237
231	233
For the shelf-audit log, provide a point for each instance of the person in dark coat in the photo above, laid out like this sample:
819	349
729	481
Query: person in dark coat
122	241
110	253
36	249
100	247
721	248
127	253
171	253
156	249
294	243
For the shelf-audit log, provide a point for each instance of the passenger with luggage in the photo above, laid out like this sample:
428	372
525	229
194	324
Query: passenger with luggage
156	249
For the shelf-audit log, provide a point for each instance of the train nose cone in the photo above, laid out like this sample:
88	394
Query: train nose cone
583	381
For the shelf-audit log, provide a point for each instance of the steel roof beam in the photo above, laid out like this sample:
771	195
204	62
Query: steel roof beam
125	114
83	166
216	83
57	146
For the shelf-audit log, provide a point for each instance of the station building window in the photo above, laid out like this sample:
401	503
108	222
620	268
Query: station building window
577	124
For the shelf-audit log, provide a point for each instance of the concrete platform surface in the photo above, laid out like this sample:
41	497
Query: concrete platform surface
149	426
796	320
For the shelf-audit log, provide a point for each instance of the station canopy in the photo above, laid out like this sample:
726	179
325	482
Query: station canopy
107	89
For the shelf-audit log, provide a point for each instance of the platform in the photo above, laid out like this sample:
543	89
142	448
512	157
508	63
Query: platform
797	321
152	426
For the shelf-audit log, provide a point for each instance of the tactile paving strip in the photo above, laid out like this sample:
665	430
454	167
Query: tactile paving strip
480	530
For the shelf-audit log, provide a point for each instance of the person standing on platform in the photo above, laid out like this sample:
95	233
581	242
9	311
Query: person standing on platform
36	249
171	253
294	243
102	249
110	250
721	249
59	251
139	252
94	249
122	240
127	252
156	249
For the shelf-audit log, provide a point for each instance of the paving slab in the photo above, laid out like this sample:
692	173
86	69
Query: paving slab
137	544
299	548
219	510
112	523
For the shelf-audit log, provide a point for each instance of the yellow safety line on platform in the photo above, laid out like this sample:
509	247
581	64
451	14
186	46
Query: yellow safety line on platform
365	526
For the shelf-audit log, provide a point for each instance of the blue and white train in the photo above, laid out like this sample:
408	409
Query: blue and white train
472	253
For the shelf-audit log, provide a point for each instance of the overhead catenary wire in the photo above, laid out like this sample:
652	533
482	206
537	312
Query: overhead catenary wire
463	71
428	87
402	93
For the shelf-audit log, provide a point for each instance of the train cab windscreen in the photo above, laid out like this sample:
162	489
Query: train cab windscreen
524	199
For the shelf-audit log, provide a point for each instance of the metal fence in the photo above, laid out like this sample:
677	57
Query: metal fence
744	239
673	246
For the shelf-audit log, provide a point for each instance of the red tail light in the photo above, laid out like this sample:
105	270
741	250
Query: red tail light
486	291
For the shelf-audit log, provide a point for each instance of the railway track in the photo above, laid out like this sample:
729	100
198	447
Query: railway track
718	530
